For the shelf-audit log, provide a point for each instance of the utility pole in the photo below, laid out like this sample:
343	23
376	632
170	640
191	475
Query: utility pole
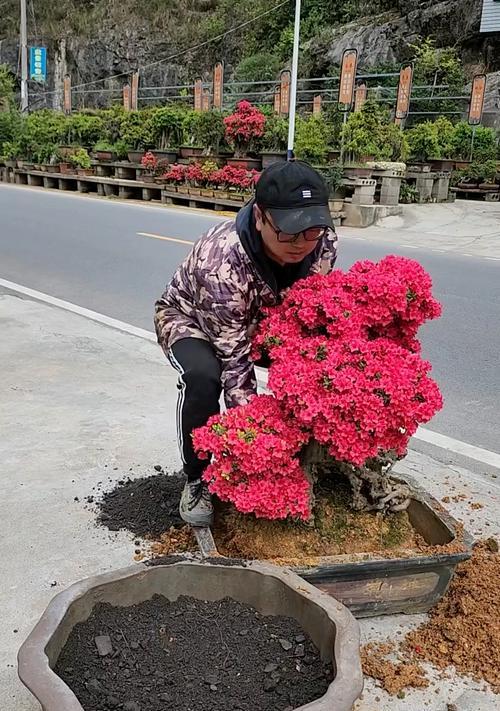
293	81
24	58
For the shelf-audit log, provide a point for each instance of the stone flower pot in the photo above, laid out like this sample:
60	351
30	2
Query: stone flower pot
271	590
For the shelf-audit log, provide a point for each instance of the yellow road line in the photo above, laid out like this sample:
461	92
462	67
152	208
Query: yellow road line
167	239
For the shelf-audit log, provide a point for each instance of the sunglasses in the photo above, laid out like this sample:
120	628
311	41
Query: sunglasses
313	234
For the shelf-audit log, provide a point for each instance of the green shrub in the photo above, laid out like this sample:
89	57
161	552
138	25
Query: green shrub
80	159
40	129
445	132
263	66
480	171
205	129
167	127
275	137
485	142
423	141
10	127
6	88
121	148
104	146
84	129
370	133
135	129
311	139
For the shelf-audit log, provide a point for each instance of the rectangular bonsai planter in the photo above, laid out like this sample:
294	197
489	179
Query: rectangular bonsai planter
370	585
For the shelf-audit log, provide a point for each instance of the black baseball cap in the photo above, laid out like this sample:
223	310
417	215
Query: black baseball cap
295	195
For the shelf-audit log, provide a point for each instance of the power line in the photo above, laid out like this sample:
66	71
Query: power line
190	49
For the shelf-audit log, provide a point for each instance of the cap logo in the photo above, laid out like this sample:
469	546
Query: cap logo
306	194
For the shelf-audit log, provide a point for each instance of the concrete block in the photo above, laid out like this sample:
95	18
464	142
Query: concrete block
474	701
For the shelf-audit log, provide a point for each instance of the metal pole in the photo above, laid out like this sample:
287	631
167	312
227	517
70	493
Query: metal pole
293	81
24	58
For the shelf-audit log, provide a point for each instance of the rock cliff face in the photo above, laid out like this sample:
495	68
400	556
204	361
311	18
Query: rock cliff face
385	39
119	45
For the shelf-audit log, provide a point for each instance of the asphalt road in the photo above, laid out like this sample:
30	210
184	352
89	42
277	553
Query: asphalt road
90	252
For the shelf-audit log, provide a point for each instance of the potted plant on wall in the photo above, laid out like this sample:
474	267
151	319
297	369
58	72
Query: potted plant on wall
424	144
244	129
167	132
206	131
104	151
80	160
274	141
175	176
149	164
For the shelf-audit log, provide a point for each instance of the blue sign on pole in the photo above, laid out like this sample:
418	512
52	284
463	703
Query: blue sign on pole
38	64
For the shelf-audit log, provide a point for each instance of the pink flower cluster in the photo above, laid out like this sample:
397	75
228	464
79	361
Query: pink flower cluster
232	177
345	369
254	462
175	174
244	125
149	161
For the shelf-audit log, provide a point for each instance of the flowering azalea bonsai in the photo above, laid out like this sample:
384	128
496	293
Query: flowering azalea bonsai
347	380
244	127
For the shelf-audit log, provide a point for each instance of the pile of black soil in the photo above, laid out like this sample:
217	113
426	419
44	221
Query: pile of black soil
146	507
191	655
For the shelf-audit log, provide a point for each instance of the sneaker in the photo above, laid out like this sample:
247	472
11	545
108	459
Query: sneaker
196	507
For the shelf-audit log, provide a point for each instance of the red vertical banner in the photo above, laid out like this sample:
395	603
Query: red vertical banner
404	93
67	94
348	77
360	96
317	101
277	100
285	92
477	99
134	91
126	97
198	95
218	86
205	103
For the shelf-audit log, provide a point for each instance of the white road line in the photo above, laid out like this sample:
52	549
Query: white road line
438	440
167	239
68	306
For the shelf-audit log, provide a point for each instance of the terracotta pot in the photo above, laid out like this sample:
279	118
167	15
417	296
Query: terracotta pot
190	151
442	165
135	156
105	156
85	171
205	192
183	189
493	187
247	163
462	164
66	151
170	156
194	191
352	171
222	194
146	178
270	157
66	169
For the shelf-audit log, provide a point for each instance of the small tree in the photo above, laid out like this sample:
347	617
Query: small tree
312	136
244	128
423	142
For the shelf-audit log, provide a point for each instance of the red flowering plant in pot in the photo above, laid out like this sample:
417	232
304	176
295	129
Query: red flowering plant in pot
175	175
149	164
244	128
348	389
237	182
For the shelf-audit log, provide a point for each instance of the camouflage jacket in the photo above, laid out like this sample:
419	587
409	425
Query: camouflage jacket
217	295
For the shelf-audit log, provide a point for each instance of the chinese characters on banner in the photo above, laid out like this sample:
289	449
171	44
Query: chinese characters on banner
198	94
477	99
285	92
218	85
360	96
126	97
277	100
38	64
348	77
205	104
404	92
67	94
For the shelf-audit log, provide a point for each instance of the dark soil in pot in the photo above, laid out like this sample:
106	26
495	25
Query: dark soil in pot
148	507
191	655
